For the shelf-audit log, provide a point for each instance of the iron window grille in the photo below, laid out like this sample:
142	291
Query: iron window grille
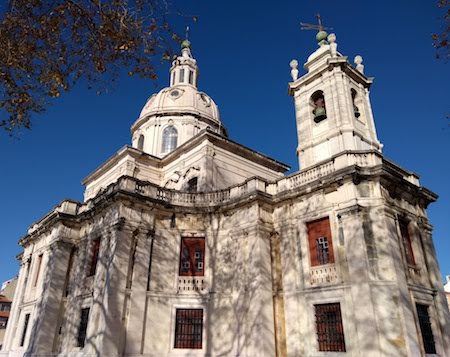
425	328
322	249
330	332
189	328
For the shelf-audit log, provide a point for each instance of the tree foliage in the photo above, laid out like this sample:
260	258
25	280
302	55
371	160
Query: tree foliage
440	40
46	46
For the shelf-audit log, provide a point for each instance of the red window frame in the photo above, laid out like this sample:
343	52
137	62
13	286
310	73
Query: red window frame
192	256
317	230
95	249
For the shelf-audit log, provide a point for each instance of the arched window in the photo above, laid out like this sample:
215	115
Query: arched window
354	101
140	144
318	104
169	139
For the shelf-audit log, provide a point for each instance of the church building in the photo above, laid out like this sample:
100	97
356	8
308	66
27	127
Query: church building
189	244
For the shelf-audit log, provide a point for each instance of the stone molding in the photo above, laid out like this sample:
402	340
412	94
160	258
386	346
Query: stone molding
363	164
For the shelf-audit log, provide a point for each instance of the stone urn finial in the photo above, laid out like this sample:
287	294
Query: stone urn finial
294	69
333	45
358	61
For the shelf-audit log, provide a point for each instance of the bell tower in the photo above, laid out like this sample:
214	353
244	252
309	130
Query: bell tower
332	105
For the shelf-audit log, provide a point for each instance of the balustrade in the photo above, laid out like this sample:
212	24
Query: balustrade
188	284
253	185
323	274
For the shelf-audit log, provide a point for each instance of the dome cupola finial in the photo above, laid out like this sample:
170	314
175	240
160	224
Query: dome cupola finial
184	69
186	45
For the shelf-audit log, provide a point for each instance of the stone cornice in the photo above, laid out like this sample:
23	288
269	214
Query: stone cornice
346	166
226	143
328	65
114	159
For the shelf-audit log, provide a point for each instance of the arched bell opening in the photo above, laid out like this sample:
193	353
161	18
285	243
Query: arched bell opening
318	103
355	100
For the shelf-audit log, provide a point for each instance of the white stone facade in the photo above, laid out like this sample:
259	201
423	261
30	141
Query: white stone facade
259	286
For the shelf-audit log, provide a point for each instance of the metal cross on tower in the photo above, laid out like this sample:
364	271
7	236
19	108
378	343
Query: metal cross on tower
187	32
319	27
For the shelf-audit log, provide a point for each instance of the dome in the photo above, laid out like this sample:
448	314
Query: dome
176	113
180	100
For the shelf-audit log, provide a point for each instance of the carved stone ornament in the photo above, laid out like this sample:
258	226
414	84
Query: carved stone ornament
176	93
205	99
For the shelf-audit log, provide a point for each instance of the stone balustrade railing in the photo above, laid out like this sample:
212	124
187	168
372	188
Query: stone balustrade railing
252	186
323	274
191	284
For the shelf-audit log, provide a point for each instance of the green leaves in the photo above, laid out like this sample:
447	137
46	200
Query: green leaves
46	46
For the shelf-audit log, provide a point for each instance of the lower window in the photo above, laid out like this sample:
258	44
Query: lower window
330	333
189	328
425	328
82	328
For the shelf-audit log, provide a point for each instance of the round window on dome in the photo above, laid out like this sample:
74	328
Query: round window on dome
174	93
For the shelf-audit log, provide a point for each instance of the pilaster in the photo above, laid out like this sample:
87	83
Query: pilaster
137	304
48	304
351	221
108	331
440	302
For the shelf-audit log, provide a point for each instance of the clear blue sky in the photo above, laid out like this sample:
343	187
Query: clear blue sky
243	49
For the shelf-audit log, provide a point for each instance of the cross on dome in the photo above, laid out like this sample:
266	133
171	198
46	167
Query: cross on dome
321	36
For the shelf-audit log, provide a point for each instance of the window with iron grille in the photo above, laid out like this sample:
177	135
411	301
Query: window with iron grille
425	328
24	331
189	328
320	242
192	256
407	245
82	328
330	332
323	255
